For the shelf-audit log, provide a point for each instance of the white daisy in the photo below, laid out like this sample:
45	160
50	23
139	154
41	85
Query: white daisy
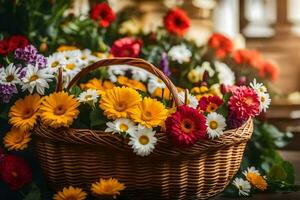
89	96
86	58
191	99
225	74
243	186
10	75
139	74
143	141
265	101
121	125
252	170
116	70
215	125
180	53
72	54
155	83
55	61
36	78
70	69
258	87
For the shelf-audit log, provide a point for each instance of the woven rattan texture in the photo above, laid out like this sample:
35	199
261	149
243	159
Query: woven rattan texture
80	157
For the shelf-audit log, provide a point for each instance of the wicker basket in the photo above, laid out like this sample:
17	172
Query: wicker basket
79	157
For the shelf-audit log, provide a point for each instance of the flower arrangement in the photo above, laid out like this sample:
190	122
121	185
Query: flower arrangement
130	102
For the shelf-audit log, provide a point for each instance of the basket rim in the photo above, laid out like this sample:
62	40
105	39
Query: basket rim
113	142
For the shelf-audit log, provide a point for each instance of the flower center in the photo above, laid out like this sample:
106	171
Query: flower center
123	127
178	21
212	107
70	66
248	100
120	106
187	125
28	113
33	78
59	110
262	99
213	125
88	97
14	174
71	197
54	64
147	115
18	139
144	140
10	78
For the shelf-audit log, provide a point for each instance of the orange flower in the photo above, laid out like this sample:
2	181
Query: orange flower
100	85
124	81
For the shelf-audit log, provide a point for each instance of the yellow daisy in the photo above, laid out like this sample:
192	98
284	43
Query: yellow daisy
71	193
59	109
16	139
149	112
118	102
107	188
99	85
24	112
123	80
257	180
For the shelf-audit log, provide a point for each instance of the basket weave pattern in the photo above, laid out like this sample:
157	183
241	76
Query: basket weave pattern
79	157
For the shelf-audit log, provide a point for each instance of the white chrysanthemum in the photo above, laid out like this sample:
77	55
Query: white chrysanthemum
243	186
191	99
36	78
55	61
139	74
252	170
115	71
265	101
180	53
155	83
9	75
121	125
89	96
143	141
215	125
258	87
225	74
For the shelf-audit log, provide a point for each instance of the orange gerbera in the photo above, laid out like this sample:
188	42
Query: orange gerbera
100	85
16	139
257	180
24	112
123	80
107	188
70	193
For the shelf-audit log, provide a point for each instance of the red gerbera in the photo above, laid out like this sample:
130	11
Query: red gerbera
248	57
269	70
221	45
210	103
244	103
177	22
103	13
126	47
186	126
15	172
18	41
5	47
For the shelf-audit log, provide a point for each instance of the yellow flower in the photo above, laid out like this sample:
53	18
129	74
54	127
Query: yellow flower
162	93
66	48
71	193
131	27
257	180
107	188
99	85
194	76
123	80
149	112
24	113
16	139
59	109
117	102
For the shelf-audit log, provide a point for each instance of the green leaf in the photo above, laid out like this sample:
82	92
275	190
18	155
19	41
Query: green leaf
96	118
277	173
76	90
289	169
34	194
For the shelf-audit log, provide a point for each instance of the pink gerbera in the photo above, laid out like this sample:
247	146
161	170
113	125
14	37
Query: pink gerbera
186	126
126	47
244	103
210	103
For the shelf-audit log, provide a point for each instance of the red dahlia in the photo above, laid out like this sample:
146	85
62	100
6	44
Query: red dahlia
5	47
126	47
177	22
15	172
248	57
220	44
18	41
210	103
103	13
186	126
244	103
269	70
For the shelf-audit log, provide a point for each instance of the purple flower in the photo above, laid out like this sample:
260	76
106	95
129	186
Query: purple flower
164	64
6	92
29	54
41	61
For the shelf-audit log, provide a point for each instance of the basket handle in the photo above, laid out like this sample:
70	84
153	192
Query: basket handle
140	63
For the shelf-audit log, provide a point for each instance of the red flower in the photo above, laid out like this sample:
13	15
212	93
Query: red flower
5	47
15	172
221	45
177	22
126	47
248	57
186	126
103	13
210	103
269	70
18	41
244	103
